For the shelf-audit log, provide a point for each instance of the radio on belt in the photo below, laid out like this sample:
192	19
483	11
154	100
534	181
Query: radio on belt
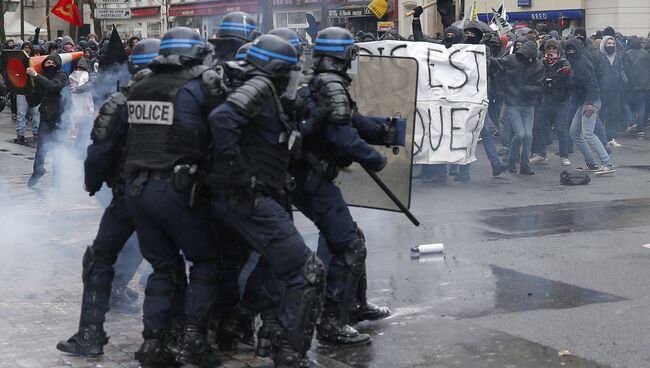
151	112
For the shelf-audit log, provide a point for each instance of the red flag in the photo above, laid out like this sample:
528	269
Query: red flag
68	11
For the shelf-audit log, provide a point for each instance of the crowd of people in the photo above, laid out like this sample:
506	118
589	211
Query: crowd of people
211	143
587	91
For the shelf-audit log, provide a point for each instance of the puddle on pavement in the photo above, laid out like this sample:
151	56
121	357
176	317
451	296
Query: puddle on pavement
564	218
450	344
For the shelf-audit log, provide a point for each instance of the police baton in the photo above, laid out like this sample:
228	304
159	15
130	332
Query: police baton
392	196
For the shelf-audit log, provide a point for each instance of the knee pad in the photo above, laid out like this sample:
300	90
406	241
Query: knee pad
355	254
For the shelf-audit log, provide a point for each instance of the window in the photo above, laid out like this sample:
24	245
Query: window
295	20
280	20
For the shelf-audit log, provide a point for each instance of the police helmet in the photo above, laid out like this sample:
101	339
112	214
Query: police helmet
272	55
337	43
238	25
183	41
291	36
243	50
142	54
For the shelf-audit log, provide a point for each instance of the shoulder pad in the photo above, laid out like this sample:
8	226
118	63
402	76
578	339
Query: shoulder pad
141	74
331	91
251	97
104	122
213	87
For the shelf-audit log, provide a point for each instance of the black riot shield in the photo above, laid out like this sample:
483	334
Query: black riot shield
384	86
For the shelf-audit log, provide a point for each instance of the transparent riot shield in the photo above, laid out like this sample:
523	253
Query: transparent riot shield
384	86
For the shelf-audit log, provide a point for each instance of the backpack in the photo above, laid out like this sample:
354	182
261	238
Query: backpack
579	178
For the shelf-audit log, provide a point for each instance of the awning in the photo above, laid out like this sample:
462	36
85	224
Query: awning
350	11
538	15
213	7
145	12
12	28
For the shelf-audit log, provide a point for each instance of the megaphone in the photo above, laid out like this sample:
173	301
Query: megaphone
17	62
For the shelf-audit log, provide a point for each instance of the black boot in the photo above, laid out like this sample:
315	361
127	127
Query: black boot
368	312
332	332
240	324
88	341
195	348
124	301
152	352
286	356
525	170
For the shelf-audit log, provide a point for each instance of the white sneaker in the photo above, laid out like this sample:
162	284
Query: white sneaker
565	161
536	159
631	129
614	144
604	170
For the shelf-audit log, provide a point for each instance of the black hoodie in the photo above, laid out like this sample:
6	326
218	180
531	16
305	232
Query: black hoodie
583	83
637	67
49	88
522	82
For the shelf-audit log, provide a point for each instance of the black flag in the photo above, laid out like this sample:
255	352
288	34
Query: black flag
114	53
314	27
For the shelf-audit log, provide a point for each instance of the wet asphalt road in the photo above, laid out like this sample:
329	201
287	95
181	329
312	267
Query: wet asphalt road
530	268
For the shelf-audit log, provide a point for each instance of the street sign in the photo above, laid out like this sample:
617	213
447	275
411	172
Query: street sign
113	13
109	2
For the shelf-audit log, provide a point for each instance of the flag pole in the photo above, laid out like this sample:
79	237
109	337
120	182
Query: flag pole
45	20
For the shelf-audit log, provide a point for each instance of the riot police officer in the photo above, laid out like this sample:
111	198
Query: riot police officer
104	164
166	148
236	29
252	139
330	144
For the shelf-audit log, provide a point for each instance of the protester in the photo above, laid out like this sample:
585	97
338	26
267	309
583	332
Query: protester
611	83
83	106
636	63
50	88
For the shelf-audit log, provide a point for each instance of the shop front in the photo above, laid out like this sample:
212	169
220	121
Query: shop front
293	14
357	17
544	20
205	17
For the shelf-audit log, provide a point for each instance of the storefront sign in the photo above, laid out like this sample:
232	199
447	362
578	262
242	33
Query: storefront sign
213	7
385	26
349	12
538	15
294	2
524	3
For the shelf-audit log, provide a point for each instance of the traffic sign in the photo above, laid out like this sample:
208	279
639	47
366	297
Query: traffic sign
113	13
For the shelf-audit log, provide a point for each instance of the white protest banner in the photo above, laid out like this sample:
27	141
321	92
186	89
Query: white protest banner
451	98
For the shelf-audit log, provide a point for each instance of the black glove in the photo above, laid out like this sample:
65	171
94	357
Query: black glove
382	163
418	12
388	134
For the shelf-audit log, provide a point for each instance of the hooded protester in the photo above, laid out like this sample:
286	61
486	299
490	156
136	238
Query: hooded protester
523	77
130	43
81	86
28	48
555	35
473	34
590	51
637	69
50	87
585	96
554	109
611	82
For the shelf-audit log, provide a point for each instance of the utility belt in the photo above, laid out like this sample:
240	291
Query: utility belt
185	178
318	170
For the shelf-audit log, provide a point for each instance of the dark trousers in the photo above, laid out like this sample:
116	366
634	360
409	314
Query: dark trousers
610	113
329	212
115	227
50	139
166	225
270	231
551	114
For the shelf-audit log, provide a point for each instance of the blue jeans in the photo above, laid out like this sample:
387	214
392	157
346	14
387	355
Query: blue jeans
521	121
21	116
555	114
582	133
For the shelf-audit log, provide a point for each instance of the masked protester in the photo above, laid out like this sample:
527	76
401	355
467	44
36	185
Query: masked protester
555	104
611	78
473	34
523	78
82	81
586	97
452	36
50	88
637	69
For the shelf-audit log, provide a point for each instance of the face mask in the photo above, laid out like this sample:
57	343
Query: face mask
50	70
610	49
552	57
472	40
78	73
448	42
571	55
